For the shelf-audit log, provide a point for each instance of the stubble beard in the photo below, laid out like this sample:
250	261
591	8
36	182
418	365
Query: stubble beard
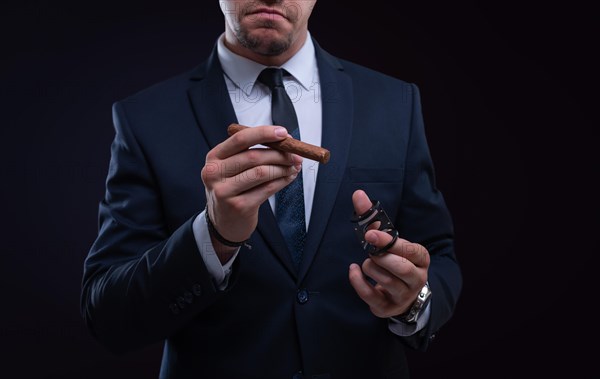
271	47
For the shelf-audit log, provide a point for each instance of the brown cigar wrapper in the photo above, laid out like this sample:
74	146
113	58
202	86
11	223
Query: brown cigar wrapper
291	145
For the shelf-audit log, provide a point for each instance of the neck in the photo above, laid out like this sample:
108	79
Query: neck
232	43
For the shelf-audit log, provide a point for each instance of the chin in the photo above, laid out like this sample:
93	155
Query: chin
267	41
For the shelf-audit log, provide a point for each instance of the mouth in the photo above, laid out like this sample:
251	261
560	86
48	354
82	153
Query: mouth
266	12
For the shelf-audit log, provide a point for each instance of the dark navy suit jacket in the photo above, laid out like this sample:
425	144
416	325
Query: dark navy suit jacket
145	281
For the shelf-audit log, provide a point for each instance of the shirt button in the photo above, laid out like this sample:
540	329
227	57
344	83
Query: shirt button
302	296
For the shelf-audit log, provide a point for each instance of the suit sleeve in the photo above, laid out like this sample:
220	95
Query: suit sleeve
424	218
141	283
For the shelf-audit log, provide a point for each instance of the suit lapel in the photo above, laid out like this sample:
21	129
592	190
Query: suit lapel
211	102
336	97
212	107
271	234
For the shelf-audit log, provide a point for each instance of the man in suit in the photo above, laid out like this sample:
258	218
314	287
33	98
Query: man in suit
189	249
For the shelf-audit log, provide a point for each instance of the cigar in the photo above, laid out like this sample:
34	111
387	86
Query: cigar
291	145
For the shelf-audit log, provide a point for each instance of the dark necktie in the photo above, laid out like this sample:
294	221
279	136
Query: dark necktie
289	202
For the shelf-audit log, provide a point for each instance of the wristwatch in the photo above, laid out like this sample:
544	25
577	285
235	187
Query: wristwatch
423	298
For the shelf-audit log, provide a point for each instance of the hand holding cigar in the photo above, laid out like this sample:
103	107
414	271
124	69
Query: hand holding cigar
291	145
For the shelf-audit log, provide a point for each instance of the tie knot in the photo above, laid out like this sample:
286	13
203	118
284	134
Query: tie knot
271	77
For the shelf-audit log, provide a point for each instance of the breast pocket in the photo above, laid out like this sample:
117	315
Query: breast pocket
383	184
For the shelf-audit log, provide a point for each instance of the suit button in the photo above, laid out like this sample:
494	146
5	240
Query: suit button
174	309
302	296
188	297
432	337
180	302
197	289
298	375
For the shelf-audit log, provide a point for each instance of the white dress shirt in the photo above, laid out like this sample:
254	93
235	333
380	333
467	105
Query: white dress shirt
252	105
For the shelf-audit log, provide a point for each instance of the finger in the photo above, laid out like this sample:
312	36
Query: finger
247	138
396	264
380	239
267	185
413	252
250	158
254	177
252	199
361	202
375	299
394	285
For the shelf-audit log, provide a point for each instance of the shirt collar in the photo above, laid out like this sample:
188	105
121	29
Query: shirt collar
243	72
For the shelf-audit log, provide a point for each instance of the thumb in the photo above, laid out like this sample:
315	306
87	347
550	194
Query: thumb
361	202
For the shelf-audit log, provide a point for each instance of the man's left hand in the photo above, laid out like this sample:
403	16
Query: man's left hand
400	273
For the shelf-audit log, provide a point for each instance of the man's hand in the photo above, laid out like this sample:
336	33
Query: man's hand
400	273
239	179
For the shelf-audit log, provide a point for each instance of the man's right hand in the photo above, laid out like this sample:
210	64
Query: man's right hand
239	179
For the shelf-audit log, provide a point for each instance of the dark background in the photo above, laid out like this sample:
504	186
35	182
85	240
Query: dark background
509	94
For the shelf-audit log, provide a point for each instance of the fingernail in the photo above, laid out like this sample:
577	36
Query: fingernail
281	132
298	167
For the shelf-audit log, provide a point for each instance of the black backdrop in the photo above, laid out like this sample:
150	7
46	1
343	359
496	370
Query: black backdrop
509	94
